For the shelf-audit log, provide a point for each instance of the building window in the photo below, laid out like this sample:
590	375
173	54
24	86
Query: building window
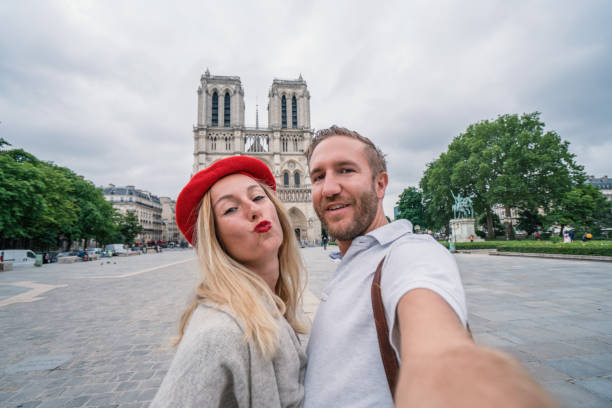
295	144
294	113
228	143
296	179
284	144
215	109
286	179
226	110
284	112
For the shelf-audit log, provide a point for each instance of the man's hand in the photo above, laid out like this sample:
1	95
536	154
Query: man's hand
442	367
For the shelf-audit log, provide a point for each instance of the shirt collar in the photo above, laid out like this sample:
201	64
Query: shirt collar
392	231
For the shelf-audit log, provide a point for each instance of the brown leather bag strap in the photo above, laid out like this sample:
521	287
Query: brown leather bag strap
382	330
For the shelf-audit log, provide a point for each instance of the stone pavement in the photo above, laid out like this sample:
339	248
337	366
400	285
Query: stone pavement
98	334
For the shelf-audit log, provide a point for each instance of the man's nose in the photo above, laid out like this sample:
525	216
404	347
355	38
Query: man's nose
331	187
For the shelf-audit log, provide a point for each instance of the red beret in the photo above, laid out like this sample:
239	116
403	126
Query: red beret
191	195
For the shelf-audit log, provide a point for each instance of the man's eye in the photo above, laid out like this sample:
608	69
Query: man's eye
317	177
347	171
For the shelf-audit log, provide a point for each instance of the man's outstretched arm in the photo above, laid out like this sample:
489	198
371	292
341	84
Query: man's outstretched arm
442	367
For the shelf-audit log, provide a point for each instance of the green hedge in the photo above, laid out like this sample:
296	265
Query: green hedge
474	245
575	248
601	248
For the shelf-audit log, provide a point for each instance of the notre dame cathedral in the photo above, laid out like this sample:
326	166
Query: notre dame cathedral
221	132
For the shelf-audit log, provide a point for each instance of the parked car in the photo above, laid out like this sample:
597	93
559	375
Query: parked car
68	253
115	249
19	257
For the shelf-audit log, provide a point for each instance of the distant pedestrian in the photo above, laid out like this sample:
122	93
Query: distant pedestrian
471	238
571	235
324	240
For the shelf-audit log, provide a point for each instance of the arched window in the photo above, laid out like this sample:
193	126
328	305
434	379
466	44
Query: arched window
296	179
215	109
286	179
284	143
226	110
294	113
284	112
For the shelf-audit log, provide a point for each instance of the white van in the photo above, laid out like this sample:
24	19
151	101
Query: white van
19	257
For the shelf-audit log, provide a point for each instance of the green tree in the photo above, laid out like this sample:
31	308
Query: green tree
96	219
510	161
583	208
410	207
530	221
498	228
41	204
129	227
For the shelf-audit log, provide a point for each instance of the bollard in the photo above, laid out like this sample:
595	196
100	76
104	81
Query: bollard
451	247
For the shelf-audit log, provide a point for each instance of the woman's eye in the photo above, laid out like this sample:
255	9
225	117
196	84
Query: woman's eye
258	198
230	210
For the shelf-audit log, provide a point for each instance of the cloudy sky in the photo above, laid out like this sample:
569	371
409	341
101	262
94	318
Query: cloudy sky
108	88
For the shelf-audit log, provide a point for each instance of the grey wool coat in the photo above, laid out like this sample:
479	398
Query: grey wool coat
215	367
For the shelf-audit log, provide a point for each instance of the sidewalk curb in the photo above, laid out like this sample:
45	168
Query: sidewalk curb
555	256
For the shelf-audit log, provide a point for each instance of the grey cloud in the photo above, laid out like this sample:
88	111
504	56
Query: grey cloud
108	89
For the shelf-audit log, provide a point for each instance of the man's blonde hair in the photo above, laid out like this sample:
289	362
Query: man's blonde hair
226	281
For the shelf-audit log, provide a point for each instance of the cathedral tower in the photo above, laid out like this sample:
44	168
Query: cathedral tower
221	132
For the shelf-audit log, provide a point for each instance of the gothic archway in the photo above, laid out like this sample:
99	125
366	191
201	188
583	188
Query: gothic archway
299	223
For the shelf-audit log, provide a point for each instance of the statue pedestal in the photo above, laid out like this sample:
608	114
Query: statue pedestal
462	229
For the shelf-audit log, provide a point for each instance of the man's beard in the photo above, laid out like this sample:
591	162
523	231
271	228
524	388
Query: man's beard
365	206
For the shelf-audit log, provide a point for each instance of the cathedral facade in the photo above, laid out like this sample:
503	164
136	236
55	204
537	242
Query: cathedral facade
221	132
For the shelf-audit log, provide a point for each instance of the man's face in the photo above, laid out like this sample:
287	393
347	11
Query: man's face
343	193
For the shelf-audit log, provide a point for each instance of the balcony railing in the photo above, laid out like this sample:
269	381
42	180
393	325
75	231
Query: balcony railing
294	194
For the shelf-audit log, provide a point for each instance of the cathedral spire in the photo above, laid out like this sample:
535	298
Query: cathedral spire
256	114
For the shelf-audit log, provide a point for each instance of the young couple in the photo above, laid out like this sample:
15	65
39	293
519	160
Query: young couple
238	344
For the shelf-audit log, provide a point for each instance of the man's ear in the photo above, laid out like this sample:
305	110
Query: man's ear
380	183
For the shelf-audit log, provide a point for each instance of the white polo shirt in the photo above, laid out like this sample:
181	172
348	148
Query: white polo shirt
344	364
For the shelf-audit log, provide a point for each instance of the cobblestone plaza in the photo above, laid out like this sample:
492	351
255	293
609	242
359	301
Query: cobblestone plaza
98	334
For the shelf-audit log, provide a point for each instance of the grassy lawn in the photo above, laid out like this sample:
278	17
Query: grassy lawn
603	248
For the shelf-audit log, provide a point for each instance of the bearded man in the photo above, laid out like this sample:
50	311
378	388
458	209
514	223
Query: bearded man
422	294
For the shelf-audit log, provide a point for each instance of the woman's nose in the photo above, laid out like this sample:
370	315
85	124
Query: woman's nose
254	211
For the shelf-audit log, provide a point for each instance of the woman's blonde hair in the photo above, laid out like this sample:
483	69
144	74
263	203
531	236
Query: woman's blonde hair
226	281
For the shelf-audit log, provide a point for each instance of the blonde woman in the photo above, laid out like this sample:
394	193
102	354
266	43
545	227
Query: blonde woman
237	343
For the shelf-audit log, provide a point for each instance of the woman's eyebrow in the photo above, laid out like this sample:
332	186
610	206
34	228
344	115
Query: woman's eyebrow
225	197
232	197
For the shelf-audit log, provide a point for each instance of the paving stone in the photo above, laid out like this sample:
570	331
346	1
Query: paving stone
544	373
577	368
599	386
78	402
126	386
129	396
54	403
147	395
28	404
